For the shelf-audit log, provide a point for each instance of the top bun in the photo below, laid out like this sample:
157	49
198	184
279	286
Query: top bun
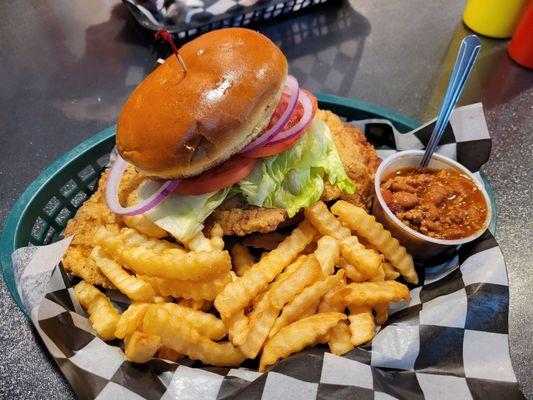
177	125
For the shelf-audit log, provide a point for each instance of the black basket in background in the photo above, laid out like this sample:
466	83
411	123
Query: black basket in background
188	18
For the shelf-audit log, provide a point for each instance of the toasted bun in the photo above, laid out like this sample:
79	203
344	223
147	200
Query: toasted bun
177	125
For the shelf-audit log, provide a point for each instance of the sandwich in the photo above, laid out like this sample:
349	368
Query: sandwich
221	129
221	133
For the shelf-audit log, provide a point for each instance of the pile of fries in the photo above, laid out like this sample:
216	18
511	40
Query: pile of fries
329	281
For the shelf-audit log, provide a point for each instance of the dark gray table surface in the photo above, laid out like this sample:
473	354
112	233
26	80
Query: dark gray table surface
67	66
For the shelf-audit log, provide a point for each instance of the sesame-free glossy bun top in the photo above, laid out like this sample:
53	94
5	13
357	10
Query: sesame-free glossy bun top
177	125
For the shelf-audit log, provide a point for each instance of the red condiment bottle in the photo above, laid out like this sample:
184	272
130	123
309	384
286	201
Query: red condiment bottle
521	47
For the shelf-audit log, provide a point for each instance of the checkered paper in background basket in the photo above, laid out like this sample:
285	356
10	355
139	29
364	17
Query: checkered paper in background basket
185	18
449	342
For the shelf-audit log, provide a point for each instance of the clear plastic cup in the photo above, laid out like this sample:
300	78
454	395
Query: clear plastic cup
421	247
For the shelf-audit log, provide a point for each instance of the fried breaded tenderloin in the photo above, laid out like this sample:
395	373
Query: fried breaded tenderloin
237	217
358	156
91	216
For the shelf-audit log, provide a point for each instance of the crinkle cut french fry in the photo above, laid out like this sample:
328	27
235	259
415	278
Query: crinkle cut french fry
259	327
182	337
327	253
237	327
170	263
102	314
351	272
135	289
134	239
242	259
382	313
140	347
326	305
390	273
206	324
195	290
266	309
379	276
310	273
199	243
130	320
340	339
257	321
236	295
362	325
371	293
297	336
265	241
366	226
294	266
103	317
284	290
310	310
216	236
325	222
365	260
311	294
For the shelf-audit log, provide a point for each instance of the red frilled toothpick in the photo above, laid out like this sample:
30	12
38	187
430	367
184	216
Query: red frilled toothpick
164	35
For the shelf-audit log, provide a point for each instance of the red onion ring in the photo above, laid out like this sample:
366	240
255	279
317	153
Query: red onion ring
304	121
291	85
112	185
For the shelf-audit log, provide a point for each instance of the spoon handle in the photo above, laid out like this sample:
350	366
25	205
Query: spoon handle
466	58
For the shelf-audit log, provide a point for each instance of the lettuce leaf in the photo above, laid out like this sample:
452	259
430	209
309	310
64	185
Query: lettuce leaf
182	216
291	180
294	179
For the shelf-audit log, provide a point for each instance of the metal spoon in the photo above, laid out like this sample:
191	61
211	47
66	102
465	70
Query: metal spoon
466	58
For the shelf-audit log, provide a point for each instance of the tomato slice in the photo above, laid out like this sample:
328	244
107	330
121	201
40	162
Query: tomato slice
280	109
271	149
228	173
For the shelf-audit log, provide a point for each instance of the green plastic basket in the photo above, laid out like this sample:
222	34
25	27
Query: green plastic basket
41	213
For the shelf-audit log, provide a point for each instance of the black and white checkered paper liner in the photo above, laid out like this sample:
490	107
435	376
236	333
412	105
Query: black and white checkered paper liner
449	342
